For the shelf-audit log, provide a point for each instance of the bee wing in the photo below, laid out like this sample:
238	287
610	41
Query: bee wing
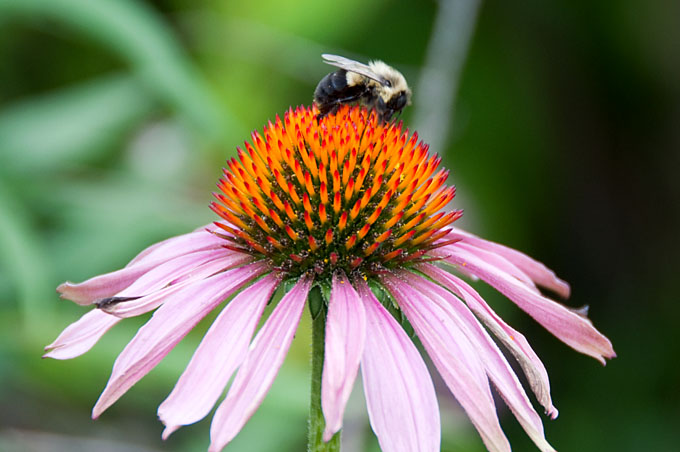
352	66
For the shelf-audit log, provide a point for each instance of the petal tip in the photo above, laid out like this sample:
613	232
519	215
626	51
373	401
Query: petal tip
169	430
604	358
609	353
99	408
53	353
565	289
64	287
215	448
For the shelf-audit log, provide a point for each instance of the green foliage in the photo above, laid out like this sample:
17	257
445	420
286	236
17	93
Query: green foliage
76	124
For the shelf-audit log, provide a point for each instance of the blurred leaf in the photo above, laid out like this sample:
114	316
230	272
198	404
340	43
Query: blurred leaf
309	17
21	256
117	214
71	124
139	36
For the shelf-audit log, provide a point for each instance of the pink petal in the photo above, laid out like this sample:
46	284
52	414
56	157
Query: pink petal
197	235
402	404
168	325
169	272
257	373
538	272
221	351
514	341
495	364
107	285
345	334
571	327
144	304
500	263
81	335
454	356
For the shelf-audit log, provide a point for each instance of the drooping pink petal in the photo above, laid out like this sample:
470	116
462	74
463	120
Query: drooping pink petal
169	272
515	342
570	326
107	285
102	286
402	404
500	263
81	335
144	304
221	351
495	364
455	357
195	236
257	373
180	312
538	272
345	334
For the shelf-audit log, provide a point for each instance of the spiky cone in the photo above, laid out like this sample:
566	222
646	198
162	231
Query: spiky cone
355	207
349	194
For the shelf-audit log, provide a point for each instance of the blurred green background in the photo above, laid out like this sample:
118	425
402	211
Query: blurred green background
562	133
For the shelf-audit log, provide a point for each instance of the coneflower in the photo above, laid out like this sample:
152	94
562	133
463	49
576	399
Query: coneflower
348	213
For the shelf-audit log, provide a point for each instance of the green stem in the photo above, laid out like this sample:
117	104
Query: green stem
316	420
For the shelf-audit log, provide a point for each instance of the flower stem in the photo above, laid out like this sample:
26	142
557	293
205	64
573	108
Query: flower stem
316	419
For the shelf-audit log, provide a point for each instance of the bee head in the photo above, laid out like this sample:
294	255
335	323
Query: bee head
398	101
394	90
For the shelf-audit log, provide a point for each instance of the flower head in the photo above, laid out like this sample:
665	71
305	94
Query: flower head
354	206
349	194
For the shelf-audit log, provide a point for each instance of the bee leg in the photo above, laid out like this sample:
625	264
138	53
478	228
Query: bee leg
387	115
380	109
328	111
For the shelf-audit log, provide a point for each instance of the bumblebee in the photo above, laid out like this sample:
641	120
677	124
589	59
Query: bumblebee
377	86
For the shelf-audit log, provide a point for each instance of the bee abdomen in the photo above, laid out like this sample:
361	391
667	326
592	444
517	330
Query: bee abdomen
333	90
331	84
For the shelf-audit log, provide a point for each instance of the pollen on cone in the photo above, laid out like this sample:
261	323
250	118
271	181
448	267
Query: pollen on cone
291	233
351	241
